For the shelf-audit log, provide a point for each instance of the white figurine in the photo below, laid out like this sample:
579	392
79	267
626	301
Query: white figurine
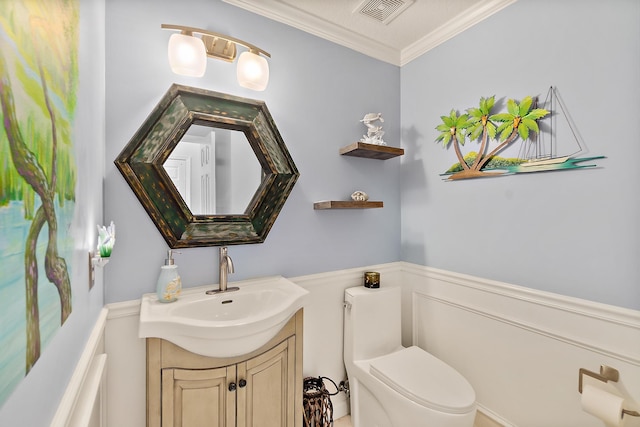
374	133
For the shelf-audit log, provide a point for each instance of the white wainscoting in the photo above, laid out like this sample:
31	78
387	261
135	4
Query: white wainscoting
83	402
126	383
520	348
322	353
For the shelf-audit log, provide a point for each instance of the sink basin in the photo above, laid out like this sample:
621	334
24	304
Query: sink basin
226	324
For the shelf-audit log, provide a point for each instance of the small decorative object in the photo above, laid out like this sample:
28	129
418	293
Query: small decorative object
316	402
374	132
169	283
372	279
359	196
106	239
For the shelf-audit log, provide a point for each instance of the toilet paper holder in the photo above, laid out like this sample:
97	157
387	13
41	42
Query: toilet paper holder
607	373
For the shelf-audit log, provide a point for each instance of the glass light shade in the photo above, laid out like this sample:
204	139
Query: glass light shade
187	55
253	71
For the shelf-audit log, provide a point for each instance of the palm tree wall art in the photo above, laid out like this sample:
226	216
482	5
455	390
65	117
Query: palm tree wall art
497	131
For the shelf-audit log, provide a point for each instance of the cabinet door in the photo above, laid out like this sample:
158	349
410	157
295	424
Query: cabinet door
198	398
267	399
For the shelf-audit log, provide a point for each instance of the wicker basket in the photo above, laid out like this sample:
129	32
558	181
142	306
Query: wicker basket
318	409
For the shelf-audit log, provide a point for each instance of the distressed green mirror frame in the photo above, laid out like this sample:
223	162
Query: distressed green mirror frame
141	164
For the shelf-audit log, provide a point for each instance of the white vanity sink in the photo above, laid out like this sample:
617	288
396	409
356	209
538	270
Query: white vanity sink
225	324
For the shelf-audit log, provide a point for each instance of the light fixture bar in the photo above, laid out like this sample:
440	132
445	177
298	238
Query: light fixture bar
210	39
219	49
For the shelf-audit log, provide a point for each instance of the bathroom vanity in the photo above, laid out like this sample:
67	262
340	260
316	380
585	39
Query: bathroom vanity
225	359
186	389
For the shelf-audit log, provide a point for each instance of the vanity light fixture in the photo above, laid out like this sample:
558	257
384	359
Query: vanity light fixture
188	54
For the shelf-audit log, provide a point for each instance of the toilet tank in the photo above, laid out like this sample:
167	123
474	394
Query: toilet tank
372	321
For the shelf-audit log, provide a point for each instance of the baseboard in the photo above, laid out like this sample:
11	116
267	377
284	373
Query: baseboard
486	418
340	408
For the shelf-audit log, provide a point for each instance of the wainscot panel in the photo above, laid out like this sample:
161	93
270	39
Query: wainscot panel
83	403
322	353
521	349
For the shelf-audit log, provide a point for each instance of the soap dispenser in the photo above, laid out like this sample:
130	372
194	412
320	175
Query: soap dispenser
169	283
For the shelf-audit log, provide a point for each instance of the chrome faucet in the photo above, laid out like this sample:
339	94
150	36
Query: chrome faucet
226	267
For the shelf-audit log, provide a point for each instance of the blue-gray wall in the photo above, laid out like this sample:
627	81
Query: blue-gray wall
573	233
317	94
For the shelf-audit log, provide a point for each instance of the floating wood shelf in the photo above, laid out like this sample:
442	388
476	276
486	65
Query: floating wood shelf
371	151
341	204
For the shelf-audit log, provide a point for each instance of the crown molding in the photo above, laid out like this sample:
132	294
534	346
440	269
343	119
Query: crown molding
297	18
294	17
452	28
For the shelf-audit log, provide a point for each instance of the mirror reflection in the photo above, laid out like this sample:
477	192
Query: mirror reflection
224	213
215	170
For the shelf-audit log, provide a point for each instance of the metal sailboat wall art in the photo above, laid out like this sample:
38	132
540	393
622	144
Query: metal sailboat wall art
535	127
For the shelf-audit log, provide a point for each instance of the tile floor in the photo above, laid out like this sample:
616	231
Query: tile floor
343	422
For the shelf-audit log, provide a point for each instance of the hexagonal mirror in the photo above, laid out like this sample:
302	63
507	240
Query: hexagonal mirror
210	169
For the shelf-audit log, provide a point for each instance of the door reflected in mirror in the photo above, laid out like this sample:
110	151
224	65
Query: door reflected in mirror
215	170
237	216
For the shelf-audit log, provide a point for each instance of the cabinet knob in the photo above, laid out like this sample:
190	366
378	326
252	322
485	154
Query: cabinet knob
232	386
242	383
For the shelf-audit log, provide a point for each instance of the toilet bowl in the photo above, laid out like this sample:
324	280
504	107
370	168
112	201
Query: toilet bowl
391	385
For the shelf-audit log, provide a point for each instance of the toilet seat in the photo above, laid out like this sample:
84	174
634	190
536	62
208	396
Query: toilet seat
424	379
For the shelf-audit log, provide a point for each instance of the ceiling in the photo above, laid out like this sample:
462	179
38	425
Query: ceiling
394	31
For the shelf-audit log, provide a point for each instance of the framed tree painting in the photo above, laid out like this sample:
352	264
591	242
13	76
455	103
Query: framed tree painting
38	86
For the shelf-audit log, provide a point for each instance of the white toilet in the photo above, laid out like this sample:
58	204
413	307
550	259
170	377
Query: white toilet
392	385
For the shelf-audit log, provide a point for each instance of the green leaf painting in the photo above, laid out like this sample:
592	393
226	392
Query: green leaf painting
497	131
38	88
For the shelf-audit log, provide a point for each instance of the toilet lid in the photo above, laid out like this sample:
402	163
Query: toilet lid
425	379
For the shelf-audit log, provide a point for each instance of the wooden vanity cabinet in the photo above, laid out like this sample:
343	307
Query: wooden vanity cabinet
260	389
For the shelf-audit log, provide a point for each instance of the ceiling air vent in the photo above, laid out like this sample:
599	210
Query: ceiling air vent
383	10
